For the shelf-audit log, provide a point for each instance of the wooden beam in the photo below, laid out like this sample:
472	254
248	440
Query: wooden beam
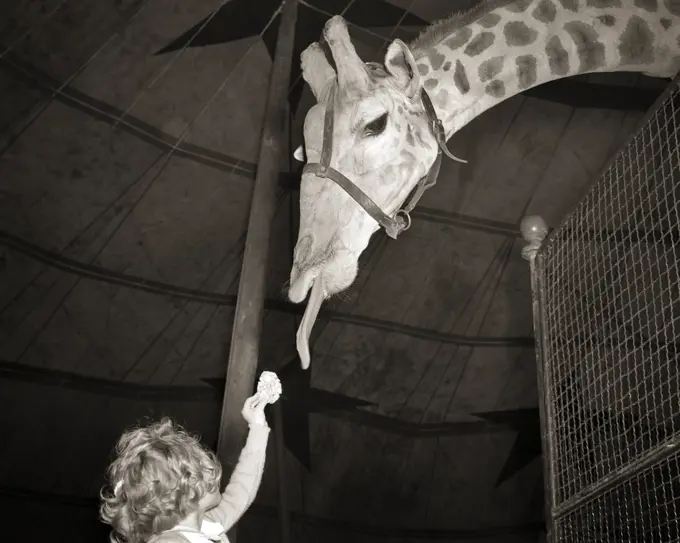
248	316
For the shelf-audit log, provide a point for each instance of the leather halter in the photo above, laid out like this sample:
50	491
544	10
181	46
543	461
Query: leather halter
401	220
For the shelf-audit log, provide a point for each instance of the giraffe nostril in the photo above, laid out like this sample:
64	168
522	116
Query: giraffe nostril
299	285
303	249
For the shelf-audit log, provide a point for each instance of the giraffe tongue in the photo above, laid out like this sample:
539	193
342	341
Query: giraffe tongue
308	319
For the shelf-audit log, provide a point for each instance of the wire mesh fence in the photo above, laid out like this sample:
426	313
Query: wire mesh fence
642	508
610	341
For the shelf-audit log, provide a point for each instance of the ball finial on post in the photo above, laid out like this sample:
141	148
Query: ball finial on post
534	230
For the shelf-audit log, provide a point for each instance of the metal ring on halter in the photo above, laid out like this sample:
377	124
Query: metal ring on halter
406	221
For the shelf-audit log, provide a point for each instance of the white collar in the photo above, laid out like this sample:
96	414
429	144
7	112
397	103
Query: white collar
211	531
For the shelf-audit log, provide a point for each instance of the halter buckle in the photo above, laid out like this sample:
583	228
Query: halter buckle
404	219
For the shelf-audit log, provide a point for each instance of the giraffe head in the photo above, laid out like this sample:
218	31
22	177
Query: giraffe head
381	142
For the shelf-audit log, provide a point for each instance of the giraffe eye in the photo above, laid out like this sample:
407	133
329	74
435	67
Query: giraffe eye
376	127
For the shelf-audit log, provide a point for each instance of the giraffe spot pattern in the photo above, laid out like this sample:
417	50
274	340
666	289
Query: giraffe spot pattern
436	59
442	97
666	23
408	156
447	66
409	137
489	20
423	69
607	20
518	34
545	12
570	5
673	6
647	5
519	6
431	84
527	66
602	4
496	89
479	44
589	49
636	45
459	39
490	68
558	58
460	78
418	137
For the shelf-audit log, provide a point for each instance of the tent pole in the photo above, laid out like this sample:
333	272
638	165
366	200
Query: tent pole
248	316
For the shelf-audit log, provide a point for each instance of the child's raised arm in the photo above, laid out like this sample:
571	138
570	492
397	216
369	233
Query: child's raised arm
245	480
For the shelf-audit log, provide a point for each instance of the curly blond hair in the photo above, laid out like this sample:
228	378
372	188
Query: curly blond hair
159	475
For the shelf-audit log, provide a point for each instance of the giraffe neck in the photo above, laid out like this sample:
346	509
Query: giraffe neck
513	46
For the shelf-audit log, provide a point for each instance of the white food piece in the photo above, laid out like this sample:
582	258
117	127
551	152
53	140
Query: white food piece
269	386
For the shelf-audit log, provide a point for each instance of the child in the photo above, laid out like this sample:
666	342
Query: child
166	485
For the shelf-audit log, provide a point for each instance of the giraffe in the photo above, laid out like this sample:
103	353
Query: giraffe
381	138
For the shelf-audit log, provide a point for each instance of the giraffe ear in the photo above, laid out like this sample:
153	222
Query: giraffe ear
316	70
400	63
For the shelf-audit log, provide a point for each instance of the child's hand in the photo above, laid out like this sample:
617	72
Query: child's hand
253	410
